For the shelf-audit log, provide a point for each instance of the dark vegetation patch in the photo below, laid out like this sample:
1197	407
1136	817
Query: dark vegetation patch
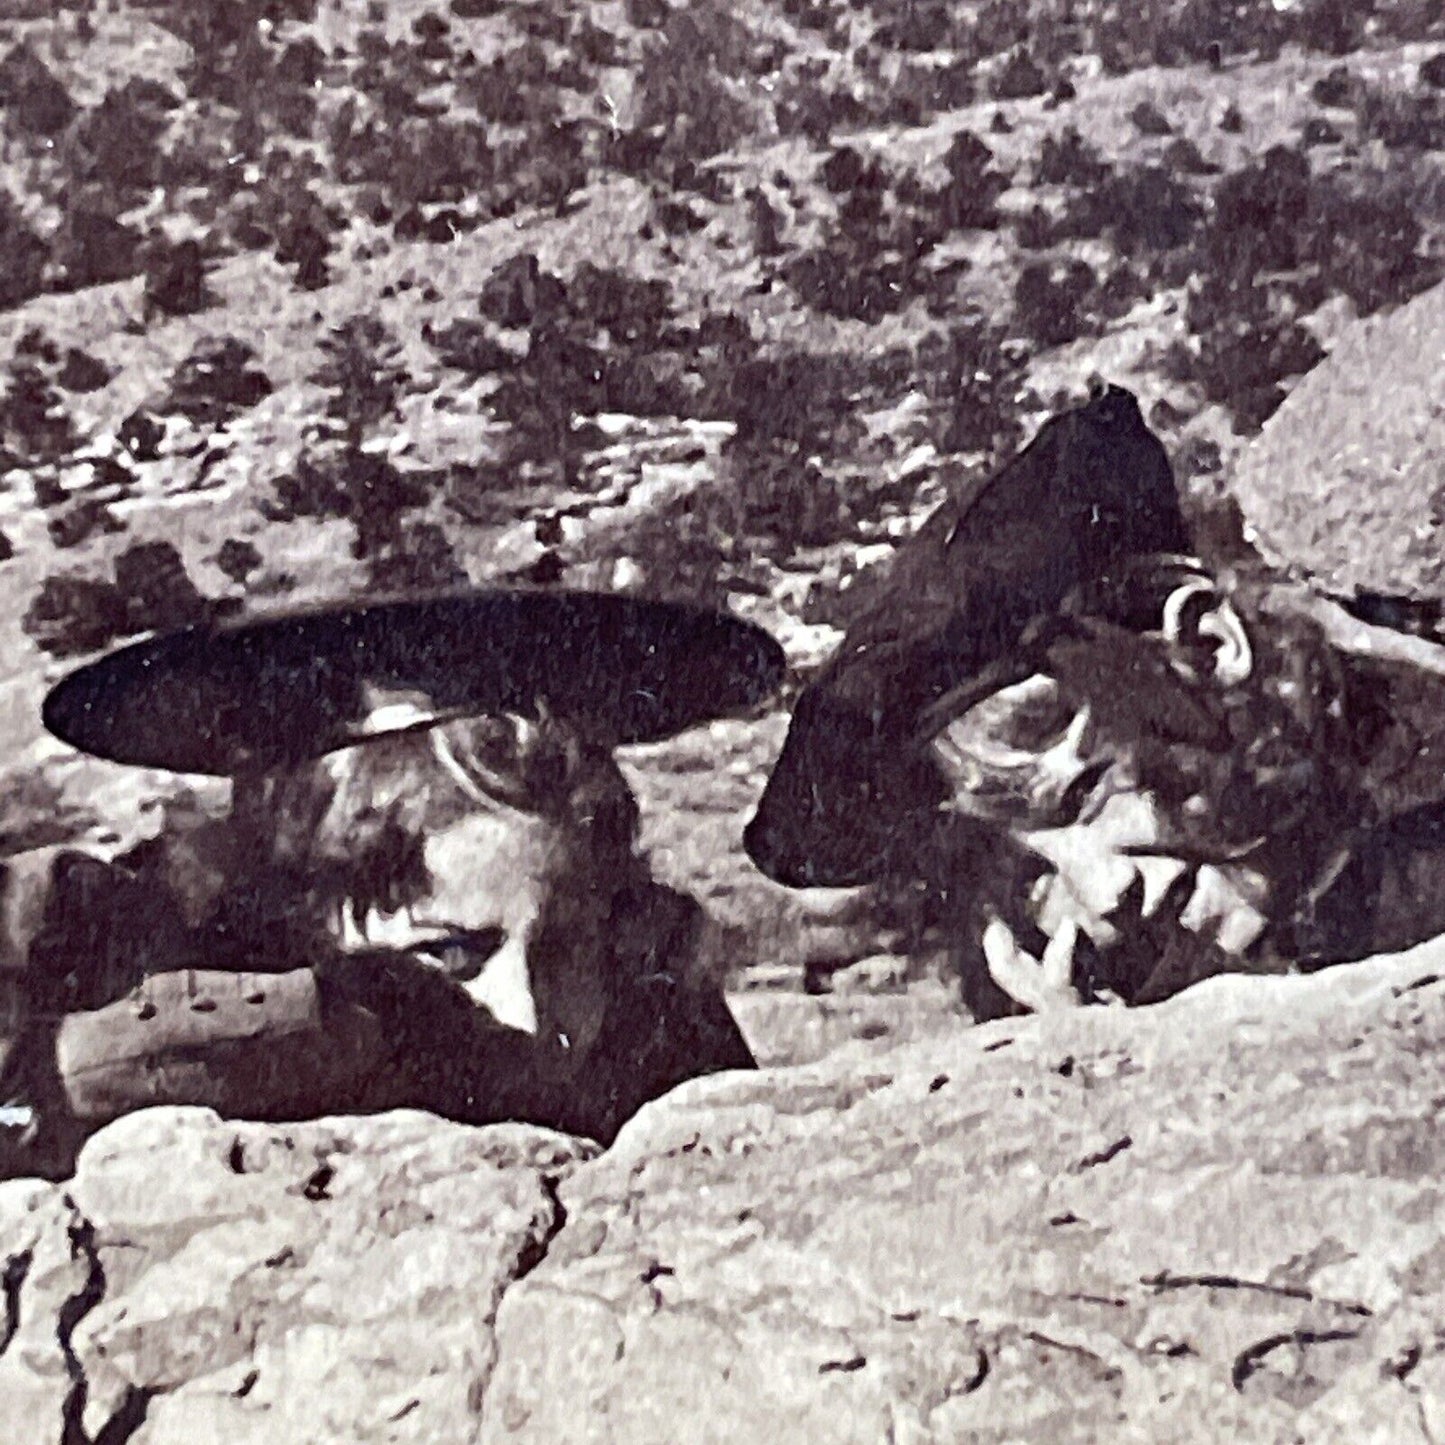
74	614
271	140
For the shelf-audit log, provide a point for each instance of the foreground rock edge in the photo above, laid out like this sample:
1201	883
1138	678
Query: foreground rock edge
1215	1218
1216	1215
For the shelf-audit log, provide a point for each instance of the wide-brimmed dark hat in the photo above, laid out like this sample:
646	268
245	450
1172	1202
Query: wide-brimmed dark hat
259	693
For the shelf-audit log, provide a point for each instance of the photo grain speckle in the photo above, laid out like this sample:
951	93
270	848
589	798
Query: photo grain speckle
722	722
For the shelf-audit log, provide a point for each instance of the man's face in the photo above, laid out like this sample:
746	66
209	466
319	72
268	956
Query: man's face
511	914
510	899
1074	803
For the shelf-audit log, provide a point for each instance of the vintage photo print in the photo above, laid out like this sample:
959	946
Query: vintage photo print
722	722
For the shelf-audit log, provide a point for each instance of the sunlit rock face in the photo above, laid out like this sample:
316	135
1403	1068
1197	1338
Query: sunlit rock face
1343	480
1214	1218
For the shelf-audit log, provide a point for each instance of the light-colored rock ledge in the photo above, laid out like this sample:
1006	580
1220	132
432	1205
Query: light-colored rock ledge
1220	1218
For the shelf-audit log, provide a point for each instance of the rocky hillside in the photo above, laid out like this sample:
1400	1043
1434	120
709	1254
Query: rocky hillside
317	298
308	298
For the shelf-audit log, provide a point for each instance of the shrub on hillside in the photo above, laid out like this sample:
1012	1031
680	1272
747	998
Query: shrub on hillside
1336	88
91	247
631	309
927	25
158	591
82	372
1147	208
302	62
972	378
682	81
470	346
519	292
1049	300
32	97
363	372
175	277
970	195
1067	159
1019	77
1400	119
416	161
1275	216
1182	157
543	170
1369	245
799	398
73	614
362	488
238	559
648	14
419	558
1336	27
35	426
115	147
216	383
87	518
836	280
141	434
809	109
26	255
775	502
1247	341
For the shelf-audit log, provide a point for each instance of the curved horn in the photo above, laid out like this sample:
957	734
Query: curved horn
1234	657
1174	605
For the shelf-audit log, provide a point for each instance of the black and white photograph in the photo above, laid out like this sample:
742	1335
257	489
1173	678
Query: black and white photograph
722	722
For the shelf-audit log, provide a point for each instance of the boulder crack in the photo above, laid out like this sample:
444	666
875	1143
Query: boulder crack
1164	1280
530	1256
12	1281
1252	1359
130	1414
535	1249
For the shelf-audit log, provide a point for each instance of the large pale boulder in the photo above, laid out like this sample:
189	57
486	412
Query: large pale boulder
337	1281
1218	1218
1347	479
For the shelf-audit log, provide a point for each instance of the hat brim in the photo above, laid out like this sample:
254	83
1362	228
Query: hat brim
260	693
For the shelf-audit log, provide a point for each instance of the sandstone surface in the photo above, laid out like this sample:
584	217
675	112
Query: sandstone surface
1347	479
1219	1218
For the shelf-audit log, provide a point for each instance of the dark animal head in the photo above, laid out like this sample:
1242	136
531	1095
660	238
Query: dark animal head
1092	489
838	795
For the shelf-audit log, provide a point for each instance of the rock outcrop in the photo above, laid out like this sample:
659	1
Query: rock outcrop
1344	481
1218	1218
336	1281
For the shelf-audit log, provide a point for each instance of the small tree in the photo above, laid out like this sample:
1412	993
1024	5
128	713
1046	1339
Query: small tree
175	278
25	255
92	247
238	559
34	423
33	99
364	373
217	382
115	146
